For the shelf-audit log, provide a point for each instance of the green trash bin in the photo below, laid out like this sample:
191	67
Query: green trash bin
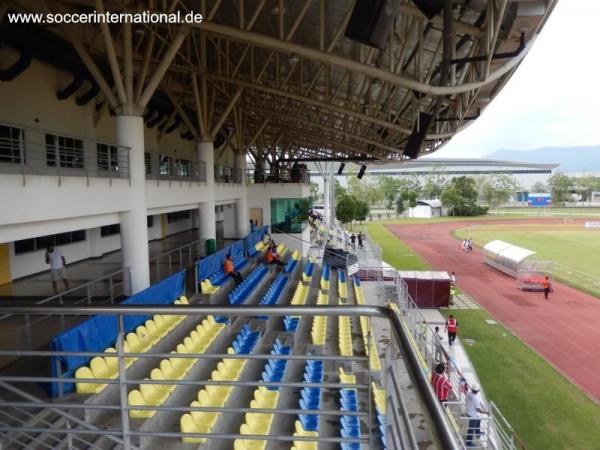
211	246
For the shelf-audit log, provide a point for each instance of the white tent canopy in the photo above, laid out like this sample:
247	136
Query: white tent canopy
504	256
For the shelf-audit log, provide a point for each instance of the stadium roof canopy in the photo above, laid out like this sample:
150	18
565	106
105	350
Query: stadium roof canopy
279	78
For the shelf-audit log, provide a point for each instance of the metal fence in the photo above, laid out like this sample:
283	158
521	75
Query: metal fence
281	175
162	167
87	421
225	174
180	258
496	430
26	151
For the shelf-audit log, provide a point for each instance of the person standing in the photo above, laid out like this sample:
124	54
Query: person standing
252	225
360	239
437	345
229	269
474	408
546	284
451	328
440	383
58	270
353	240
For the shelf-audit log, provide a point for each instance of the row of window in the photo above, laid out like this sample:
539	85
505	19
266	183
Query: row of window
43	242
68	152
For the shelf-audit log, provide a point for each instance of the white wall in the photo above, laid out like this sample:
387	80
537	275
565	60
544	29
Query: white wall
260	195
229	221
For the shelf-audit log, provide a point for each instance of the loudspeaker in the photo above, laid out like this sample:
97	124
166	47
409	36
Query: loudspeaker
341	168
361	172
430	8
372	21
417	137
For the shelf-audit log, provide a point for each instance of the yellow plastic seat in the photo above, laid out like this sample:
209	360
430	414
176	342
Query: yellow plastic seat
207	288
135	398
189	425
86	388
184	300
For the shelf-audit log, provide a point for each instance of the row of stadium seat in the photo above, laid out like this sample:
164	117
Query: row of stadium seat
216	396
260	423
345	335
292	262
290	323
310	399
365	326
379	399
326	272
272	295
342	286
349	425
144	338
198	342
219	277
307	273
319	325
240	294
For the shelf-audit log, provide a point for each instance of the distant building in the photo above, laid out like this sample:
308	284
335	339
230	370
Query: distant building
526	174
426	209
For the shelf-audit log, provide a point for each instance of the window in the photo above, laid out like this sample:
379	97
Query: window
12	141
108	157
148	162
42	242
164	167
69	152
179	215
183	167
109	230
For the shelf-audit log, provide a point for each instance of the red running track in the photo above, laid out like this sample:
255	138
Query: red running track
565	329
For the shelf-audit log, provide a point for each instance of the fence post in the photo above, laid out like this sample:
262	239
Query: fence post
122	385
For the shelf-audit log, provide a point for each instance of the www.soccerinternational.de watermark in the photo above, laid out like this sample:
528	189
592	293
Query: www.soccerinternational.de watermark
144	17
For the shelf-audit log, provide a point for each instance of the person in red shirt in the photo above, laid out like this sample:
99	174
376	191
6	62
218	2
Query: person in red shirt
440	383
451	329
229	270
546	287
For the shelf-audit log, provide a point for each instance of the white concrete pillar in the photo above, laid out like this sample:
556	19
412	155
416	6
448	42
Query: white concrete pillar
331	195
134	230
208	227
95	242
241	203
326	197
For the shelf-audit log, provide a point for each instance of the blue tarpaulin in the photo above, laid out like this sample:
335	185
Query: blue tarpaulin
100	332
211	264
237	248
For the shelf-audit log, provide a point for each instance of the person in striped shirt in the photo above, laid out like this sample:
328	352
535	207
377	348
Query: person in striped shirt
440	383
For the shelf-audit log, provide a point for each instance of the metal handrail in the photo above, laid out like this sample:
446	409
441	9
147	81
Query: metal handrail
442	428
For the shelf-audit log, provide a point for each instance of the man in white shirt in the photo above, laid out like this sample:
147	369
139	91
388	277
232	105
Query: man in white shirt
474	408
57	262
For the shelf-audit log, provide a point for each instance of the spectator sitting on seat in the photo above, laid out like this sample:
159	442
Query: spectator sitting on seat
440	383
230	271
272	257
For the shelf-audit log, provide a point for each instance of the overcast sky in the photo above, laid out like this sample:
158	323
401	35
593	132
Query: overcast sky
553	99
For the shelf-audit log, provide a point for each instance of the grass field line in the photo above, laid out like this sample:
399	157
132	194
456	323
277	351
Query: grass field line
579	272
547	214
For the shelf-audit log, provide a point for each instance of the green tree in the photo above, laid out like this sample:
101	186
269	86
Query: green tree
539	187
340	191
410	197
365	190
452	200
434	183
345	209
560	186
314	192
361	211
400	206
497	189
585	185
390	188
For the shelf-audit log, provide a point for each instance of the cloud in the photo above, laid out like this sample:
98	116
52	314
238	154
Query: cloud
553	97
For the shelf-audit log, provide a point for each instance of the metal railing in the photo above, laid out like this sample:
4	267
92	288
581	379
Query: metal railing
161	167
111	406
28	151
497	432
282	175
176	260
225	174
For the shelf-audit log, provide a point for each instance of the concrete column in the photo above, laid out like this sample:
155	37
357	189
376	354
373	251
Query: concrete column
326	197
241	203
134	231
208	227
331	195
95	242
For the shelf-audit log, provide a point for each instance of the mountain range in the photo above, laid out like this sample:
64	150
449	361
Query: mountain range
571	159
